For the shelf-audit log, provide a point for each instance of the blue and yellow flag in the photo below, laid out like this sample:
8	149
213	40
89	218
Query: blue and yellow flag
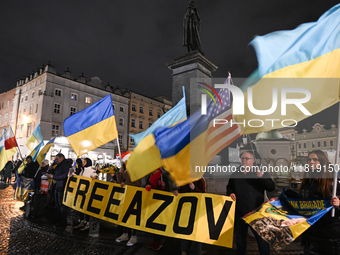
23	187
176	114
34	139
311	51
183	147
91	127
279	222
42	154
34	154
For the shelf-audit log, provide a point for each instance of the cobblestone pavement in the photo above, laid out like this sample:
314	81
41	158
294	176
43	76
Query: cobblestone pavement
19	235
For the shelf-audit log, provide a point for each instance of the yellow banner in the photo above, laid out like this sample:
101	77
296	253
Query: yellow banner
200	217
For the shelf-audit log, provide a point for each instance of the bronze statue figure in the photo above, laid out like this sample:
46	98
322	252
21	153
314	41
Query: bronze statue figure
191	24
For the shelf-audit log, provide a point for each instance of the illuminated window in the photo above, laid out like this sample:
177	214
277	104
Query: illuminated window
88	100
74	96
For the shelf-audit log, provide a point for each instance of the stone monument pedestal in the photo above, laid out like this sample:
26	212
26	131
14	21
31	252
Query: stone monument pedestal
186	67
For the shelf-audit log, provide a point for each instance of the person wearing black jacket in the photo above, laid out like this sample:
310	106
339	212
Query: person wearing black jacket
30	168
61	171
323	237
246	187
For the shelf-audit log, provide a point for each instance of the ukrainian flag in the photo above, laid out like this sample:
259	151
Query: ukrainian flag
312	51
42	154
91	127
34	154
34	139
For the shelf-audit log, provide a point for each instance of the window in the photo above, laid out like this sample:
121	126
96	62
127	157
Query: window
6	117
74	96
24	111
121	109
158	114
22	99
31	109
56	108
73	110
313	144
57	92
319	144
324	143
299	145
55	130
33	94
150	124
330	142
140	124
39	92
304	145
88	100
120	139
141	109
150	112
132	142
121	121
8	102
133	123
36	108
134	108
12	102
114	107
28	130
26	97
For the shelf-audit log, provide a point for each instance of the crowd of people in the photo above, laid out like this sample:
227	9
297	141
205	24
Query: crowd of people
245	187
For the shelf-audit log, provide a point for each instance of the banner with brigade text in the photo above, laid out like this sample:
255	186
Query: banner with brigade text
200	217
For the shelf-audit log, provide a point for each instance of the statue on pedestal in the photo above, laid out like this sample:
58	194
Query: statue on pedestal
191	25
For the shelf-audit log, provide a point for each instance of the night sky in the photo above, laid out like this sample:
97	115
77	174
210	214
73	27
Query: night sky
129	43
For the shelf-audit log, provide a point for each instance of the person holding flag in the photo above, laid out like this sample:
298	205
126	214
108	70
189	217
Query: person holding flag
247	188
323	237
62	169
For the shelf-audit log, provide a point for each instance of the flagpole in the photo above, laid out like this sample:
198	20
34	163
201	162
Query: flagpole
23	161
336	166
120	155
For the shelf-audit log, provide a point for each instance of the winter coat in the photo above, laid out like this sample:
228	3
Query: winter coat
323	237
88	172
249	190
200	187
125	177
61	172
8	169
30	169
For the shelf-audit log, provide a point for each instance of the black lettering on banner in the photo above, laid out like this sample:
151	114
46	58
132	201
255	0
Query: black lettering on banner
190	227
167	200
94	196
68	188
81	192
215	230
137	200
113	201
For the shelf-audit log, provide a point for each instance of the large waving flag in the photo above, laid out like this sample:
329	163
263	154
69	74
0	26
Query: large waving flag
176	114
42	154
91	127
188	144
312	50
34	139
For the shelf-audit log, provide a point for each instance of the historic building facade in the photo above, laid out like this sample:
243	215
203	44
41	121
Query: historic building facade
6	108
